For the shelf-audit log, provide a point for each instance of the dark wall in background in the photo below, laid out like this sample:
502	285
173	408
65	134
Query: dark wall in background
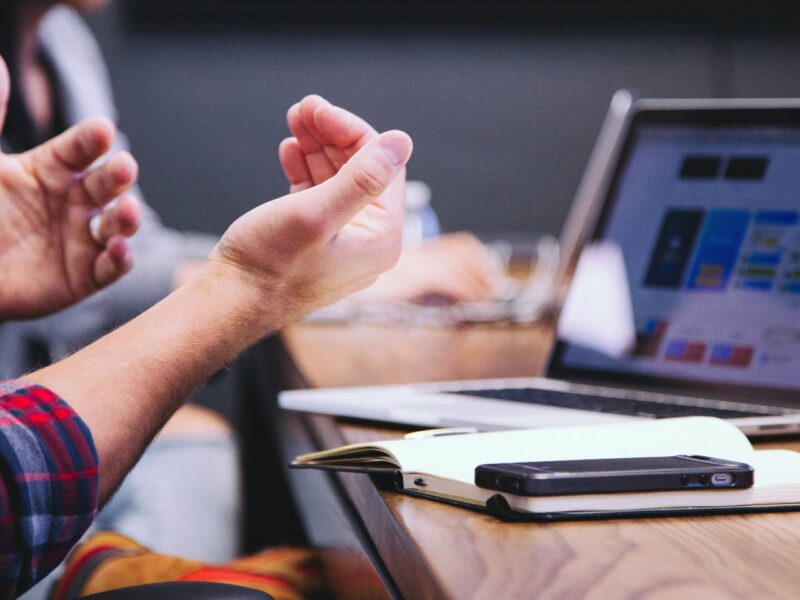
503	118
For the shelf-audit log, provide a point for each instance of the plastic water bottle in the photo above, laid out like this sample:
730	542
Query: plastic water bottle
421	223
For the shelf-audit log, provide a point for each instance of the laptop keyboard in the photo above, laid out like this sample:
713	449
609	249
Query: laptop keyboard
619	406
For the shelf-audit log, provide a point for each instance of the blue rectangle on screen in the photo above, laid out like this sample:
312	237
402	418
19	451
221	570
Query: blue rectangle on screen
764	259
721	352
757	284
676	349
792	288
784	218
718	249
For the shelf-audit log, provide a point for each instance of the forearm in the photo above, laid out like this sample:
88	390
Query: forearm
127	384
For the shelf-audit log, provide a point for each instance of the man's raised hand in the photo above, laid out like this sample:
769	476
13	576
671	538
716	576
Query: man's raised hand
317	245
49	259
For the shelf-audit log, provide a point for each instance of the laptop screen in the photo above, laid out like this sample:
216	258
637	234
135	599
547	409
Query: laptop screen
706	213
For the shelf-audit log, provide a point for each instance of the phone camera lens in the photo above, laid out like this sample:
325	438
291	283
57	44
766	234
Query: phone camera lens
498	481
704	479
684	480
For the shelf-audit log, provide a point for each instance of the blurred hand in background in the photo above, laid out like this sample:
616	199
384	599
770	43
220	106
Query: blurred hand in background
455	268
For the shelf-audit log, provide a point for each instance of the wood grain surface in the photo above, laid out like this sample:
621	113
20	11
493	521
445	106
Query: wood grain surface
472	555
376	354
438	551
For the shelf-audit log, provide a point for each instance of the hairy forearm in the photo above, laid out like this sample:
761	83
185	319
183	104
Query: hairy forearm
127	384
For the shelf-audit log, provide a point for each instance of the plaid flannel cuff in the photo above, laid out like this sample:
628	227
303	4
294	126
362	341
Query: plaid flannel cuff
48	483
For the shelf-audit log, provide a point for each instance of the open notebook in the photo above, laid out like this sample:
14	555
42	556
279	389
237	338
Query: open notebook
443	468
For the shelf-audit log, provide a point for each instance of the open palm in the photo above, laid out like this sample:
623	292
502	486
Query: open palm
48	257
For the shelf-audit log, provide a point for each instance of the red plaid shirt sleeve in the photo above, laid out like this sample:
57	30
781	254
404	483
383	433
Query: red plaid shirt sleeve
48	483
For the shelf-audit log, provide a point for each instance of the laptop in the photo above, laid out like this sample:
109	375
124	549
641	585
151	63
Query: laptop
700	202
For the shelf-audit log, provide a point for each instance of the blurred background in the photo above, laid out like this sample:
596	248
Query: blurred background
504	99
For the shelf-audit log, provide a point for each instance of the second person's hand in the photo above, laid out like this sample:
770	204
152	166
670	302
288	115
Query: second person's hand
49	257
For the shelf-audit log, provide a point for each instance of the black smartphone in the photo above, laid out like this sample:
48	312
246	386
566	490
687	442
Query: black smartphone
609	475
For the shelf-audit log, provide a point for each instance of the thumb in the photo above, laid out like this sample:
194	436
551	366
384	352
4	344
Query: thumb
361	180
5	90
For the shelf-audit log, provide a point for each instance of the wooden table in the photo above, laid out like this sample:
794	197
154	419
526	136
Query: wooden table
417	548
